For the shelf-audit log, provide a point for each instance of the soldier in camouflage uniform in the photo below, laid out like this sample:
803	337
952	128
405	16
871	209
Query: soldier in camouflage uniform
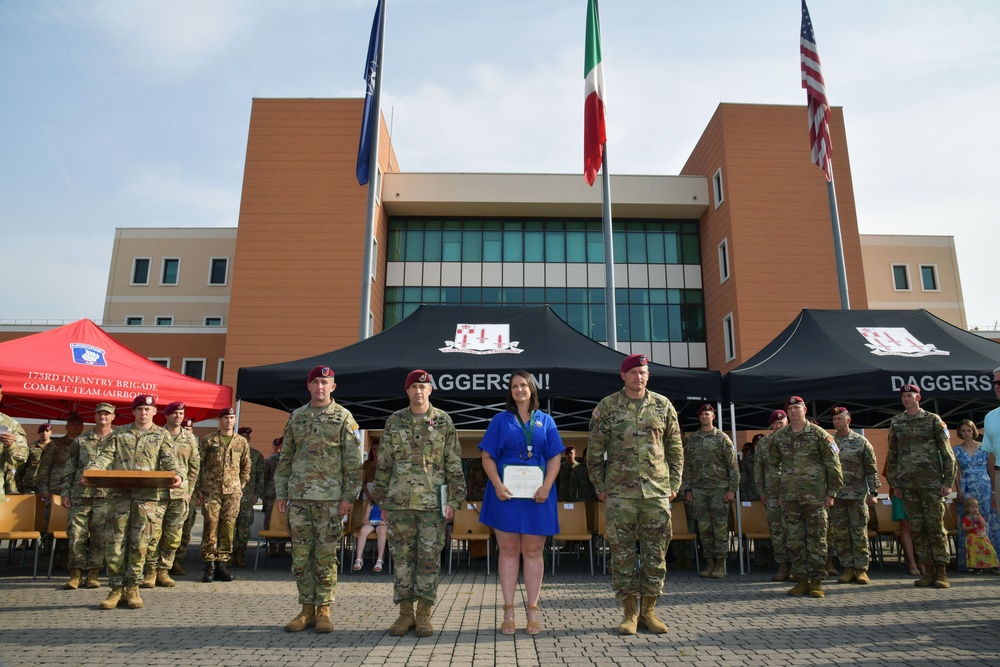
711	478
748	490
764	478
13	445
566	481
921	468
252	491
163	546
194	506
24	477
808	479
270	467
225	470
88	506
49	478
141	445
418	453
848	531
637	431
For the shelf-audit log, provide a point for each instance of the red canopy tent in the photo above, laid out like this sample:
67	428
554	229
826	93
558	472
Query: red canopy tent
77	366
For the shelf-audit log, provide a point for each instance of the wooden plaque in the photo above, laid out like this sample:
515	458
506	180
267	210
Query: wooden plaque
130	479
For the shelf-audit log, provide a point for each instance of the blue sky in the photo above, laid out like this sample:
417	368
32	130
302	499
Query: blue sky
134	113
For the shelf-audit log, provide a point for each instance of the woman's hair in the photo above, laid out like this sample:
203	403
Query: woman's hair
971	424
511	405
969	502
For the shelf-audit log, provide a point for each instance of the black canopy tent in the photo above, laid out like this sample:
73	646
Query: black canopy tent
470	352
860	359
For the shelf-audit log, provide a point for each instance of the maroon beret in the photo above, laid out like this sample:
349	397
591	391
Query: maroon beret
912	388
776	415
416	376
319	372
707	407
44	427
633	360
188	423
244	430
141	400
840	410
225	412
795	400
173	407
757	437
277	441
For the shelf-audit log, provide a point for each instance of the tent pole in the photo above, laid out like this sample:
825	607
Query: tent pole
739	503
238	406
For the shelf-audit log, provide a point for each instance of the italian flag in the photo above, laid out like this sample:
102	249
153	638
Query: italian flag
594	134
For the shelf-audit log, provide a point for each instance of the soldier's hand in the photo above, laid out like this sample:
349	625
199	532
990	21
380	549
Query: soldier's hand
603	497
829	502
945	489
177	482
673	494
45	495
729	497
763	499
66	502
282	505
345	507
7	438
449	513
689	496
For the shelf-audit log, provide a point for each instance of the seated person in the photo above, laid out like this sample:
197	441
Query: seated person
371	523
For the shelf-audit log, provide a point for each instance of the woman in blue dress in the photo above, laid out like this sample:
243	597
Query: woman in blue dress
972	479
521	443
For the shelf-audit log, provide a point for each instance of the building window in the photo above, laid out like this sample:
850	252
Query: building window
133	321
729	337
218	271
194	368
164	321
213	321
901	277
162	361
723	261
717	188
928	277
218	377
171	271
140	271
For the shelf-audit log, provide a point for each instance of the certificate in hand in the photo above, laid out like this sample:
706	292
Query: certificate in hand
522	481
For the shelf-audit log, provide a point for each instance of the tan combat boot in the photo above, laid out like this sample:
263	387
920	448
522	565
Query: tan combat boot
648	619
941	576
240	558
848	576
74	580
709	567
830	568
719	572
928	578
816	588
114	597
423	620
861	576
305	618
92	580
323	621
406	620
132	599
801	587
148	578
163	579
783	573
630	618
177	569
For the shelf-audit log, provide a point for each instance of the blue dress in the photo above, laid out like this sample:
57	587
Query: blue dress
505	442
975	482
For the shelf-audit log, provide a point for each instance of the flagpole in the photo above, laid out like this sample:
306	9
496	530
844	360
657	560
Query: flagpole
609	254
838	243
373	185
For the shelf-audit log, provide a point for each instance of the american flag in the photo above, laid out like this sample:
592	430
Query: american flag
819	107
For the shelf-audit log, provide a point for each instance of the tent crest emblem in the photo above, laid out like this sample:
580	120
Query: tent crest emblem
482	339
897	342
87	355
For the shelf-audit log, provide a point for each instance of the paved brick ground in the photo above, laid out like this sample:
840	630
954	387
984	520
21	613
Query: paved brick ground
742	620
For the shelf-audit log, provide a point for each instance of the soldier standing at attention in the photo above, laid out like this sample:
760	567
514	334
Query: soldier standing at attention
27	471
253	491
316	482
711	477
88	506
419	453
53	461
921	468
764	478
225	469
566	490
270	466
808	479
141	445
193	505
163	546
13	445
636	461
849	515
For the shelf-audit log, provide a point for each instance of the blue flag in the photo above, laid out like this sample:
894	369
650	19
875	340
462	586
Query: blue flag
369	121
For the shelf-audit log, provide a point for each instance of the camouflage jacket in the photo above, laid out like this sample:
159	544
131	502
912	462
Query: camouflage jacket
51	466
642	444
582	485
81	453
254	488
857	461
188	456
748	488
27	472
415	457
566	490
225	469
807	464
764	473
320	456
710	462
270	465
128	448
12	456
920	455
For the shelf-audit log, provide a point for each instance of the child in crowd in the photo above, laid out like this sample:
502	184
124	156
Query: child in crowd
373	523
980	553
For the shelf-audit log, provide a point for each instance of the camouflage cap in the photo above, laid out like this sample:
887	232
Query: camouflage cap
105	407
74	418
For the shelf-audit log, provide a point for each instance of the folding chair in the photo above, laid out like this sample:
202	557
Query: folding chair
885	527
58	518
753	517
278	530
679	528
601	532
572	528
352	524
467	529
17	522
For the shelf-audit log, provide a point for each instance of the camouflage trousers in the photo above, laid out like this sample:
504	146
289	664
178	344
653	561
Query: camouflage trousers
646	521
848	532
776	525
129	531
163	548
925	511
220	514
805	538
188	526
711	512
86	528
416	539
244	522
316	529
